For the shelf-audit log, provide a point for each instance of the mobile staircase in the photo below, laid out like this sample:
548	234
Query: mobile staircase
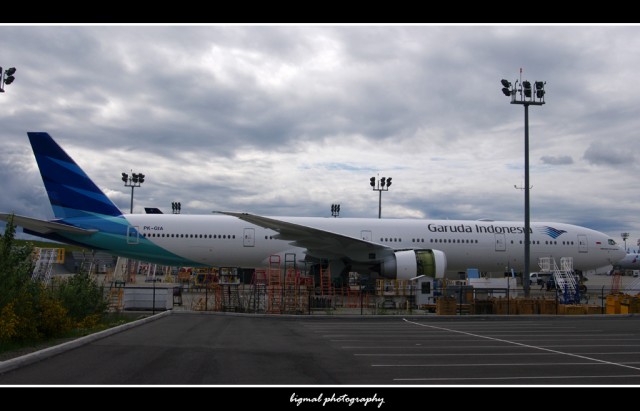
44	258
564	278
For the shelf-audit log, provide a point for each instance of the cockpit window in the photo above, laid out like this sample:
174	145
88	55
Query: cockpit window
611	242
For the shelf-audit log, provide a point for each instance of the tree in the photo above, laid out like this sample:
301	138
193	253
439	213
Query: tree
16	265
18	294
82	296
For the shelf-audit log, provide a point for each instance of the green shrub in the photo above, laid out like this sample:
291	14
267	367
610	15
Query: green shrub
8	323
31	312
81	295
52	320
23	321
16	265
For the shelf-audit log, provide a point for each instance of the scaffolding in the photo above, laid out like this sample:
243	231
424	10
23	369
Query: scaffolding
274	287
394	287
120	273
44	258
116	296
326	288
291	292
393	292
227	292
151	272
354	297
615	282
125	270
258	291
205	277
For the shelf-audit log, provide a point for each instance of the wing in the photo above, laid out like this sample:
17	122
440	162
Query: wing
44	227
318	242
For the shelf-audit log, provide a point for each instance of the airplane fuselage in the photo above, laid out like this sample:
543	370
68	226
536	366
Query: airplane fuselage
629	262
220	240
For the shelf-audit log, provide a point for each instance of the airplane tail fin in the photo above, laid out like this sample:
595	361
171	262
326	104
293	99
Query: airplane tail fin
71	192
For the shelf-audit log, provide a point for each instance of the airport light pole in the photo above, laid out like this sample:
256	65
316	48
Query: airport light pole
6	77
175	207
624	238
526	96
134	180
335	210
380	186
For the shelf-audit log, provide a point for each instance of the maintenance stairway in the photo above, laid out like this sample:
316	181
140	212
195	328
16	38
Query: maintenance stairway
564	278
44	260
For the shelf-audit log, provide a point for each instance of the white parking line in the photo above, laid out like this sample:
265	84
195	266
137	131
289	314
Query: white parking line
554	377
483	354
523	345
489	364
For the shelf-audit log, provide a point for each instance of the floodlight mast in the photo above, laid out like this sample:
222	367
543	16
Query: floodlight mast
525	95
380	185
133	180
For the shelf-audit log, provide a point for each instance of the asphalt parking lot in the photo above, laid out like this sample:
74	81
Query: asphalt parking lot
228	349
396	360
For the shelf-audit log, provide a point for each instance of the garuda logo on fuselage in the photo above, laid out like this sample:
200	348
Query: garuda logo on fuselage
551	232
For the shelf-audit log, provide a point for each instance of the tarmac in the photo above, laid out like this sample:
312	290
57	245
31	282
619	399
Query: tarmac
219	349
598	287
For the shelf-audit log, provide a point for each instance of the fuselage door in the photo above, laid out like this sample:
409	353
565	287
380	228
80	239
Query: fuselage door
501	244
132	235
365	235
249	237
582	243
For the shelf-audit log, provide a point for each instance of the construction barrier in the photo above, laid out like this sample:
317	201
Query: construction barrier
613	303
504	306
571	309
629	305
594	309
545	306
483	307
525	306
446	306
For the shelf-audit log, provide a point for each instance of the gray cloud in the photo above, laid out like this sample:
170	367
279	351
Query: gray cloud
556	160
602	153
288	119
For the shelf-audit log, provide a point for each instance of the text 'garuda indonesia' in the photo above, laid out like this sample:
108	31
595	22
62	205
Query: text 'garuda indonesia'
464	228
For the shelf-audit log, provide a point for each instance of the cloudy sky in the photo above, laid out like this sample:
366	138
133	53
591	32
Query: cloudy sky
289	119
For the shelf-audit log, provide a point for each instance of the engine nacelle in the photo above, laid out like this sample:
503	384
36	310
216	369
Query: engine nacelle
407	264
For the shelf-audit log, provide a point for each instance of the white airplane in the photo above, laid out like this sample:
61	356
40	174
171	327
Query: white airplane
629	262
391	248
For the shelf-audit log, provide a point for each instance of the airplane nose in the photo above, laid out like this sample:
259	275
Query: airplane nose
619	254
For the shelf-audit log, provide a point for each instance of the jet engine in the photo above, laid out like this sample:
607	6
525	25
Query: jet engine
406	264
